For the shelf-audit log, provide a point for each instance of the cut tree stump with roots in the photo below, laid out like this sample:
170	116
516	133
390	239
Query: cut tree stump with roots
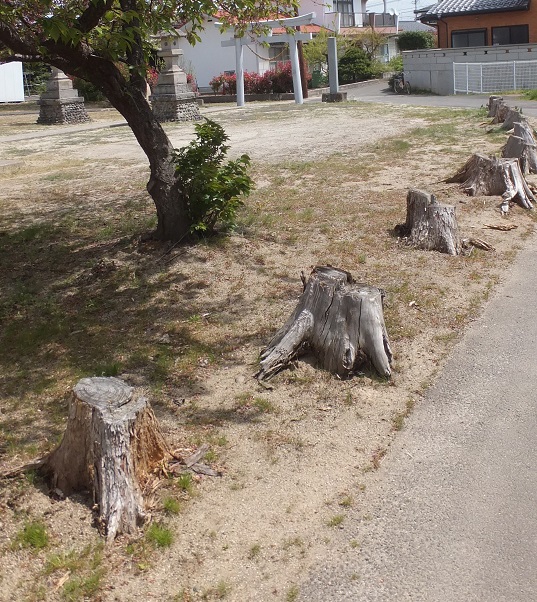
521	145
112	443
491	176
430	225
340	321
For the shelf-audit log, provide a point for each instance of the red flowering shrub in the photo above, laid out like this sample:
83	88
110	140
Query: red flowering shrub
217	82
152	77
191	80
230	84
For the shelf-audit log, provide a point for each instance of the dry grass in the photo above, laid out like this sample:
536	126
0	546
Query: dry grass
79	295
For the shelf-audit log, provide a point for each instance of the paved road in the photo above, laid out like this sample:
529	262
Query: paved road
379	92
455	504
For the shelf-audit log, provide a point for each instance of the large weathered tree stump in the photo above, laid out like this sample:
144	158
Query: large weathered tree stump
430	225
339	321
491	176
521	145
111	444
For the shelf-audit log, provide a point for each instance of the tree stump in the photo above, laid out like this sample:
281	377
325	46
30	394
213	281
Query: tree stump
430	225
497	109
492	176
339	321
521	145
511	117
111	444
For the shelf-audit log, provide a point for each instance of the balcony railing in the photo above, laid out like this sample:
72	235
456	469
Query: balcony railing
367	20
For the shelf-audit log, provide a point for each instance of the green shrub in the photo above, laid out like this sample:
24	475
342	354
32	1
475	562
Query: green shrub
213	189
87	90
355	66
416	40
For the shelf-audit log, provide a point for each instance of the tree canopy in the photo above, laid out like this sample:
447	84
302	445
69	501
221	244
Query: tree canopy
91	39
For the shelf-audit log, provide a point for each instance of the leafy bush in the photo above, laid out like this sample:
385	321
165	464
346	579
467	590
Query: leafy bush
213	190
416	40
217	82
88	90
395	63
281	78
355	66
37	76
257	84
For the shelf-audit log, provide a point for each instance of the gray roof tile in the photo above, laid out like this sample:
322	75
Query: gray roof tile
452	7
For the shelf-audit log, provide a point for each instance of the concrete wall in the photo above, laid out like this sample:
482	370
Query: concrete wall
433	69
11	83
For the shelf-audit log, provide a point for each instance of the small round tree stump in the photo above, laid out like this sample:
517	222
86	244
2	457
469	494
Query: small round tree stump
111	444
430	225
339	320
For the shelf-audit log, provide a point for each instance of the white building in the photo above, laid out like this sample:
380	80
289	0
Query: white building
208	58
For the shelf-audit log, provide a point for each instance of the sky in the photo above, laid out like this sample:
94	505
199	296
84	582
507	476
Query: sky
404	7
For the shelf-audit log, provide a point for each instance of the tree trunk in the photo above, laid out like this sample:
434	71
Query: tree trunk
129	98
522	145
430	225
493	103
111	444
339	321
491	176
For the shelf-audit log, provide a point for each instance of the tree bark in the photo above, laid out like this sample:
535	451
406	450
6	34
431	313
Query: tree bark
521	145
430	225
491	176
339	321
111	444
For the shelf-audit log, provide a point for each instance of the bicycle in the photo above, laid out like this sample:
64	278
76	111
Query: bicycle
400	85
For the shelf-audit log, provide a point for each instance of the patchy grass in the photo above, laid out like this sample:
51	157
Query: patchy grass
159	536
81	294
33	535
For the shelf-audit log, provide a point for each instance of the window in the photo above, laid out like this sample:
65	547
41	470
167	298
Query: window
345	9
278	53
469	37
515	34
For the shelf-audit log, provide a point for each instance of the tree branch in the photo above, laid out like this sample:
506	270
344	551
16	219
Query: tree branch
93	14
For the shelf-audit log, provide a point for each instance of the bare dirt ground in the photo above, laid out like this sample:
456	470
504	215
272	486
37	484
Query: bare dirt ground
81	296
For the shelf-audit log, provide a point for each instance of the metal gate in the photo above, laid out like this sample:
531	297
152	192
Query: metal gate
482	78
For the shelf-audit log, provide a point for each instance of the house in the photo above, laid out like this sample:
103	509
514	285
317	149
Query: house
471	23
11	82
349	17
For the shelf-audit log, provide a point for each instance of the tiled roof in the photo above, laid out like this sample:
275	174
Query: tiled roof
414	26
457	7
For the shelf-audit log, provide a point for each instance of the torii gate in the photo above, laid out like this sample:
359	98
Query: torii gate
288	38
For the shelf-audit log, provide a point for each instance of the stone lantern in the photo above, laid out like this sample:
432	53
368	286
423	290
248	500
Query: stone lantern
60	103
172	99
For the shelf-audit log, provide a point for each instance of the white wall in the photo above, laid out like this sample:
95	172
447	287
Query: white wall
11	83
208	58
433	69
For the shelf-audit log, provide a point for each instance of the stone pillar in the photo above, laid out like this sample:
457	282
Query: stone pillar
172	98
60	103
